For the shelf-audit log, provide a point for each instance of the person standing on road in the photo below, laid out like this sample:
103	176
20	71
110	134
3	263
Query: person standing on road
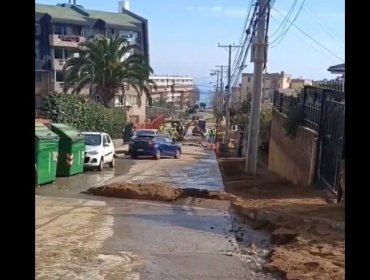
212	135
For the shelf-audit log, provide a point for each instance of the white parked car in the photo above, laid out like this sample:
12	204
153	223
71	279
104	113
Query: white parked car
99	150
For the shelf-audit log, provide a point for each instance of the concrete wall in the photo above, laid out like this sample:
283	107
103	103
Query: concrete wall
117	142
292	158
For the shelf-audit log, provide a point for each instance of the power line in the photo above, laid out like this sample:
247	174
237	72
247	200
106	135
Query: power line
250	31
291	23
285	20
310	37
302	39
323	25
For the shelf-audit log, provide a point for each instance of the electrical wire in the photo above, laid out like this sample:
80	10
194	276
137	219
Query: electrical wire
279	40
251	33
321	23
305	42
312	39
285	20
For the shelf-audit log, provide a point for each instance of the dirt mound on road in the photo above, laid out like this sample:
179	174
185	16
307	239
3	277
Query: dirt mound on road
149	191
154	191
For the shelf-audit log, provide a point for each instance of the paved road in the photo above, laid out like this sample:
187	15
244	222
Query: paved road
85	237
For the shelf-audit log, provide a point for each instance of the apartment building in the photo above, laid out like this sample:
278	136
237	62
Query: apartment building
299	83
59	30
176	89
237	97
271	82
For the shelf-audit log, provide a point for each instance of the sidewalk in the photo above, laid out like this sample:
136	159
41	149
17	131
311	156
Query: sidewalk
123	149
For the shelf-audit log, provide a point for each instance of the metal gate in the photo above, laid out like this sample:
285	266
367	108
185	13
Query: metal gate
331	144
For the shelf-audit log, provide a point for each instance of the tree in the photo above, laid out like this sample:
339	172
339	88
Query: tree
109	64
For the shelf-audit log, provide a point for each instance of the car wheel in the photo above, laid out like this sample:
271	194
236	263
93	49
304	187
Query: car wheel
133	156
157	154
101	164
178	153
112	163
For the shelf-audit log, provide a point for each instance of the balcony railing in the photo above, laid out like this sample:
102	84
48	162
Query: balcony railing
66	40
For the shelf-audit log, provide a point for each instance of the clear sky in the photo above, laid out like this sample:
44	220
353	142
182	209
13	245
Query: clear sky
183	35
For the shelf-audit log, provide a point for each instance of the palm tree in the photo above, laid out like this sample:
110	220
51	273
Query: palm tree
108	65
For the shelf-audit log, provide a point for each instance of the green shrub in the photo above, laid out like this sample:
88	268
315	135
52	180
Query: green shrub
294	119
83	114
265	121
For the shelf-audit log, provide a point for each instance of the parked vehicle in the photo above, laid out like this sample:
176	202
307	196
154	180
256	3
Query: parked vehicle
145	131
99	150
156	146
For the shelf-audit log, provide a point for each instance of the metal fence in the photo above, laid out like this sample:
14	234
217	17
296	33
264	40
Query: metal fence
313	101
324	111
333	85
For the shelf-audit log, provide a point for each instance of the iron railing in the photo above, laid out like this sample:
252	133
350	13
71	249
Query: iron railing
332	85
313	101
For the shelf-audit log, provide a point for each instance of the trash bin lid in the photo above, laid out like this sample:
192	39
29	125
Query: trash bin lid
44	133
68	131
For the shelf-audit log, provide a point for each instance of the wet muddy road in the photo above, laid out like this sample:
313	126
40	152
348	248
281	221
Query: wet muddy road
79	236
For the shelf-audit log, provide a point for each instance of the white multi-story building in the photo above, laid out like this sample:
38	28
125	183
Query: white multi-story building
177	89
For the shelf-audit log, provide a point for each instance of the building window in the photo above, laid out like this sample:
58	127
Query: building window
60	29
37	29
131	100
118	100
110	32
59	77
68	53
58	53
249	79
37	77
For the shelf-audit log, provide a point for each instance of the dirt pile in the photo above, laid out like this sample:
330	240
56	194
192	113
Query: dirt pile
149	191
155	191
316	261
307	231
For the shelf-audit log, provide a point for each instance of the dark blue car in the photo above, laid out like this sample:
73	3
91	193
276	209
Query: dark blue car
156	146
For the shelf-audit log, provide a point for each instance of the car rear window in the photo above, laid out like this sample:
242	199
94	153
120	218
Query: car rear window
144	137
140	132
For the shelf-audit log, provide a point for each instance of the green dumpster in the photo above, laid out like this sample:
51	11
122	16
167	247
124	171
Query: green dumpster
46	154
71	150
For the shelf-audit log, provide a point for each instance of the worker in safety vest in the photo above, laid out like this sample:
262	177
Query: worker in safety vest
212	135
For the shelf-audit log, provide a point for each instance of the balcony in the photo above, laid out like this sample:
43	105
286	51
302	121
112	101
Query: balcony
58	64
69	41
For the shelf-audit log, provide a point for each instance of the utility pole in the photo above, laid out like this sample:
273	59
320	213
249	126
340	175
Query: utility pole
228	93
173	99
221	95
216	98
258	57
